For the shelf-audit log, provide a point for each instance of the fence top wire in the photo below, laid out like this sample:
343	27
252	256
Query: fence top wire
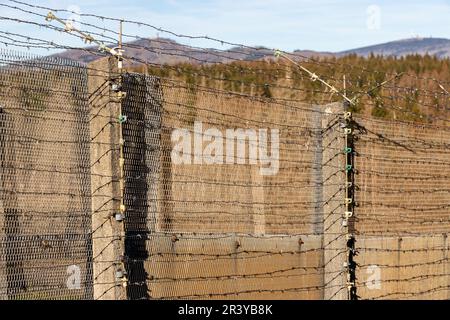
203	37
236	45
30	60
268	84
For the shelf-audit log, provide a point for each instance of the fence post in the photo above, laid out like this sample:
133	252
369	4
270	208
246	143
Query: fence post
350	203
446	264
334	180
317	172
107	227
3	234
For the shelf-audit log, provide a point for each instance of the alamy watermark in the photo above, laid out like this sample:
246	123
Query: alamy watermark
374	277
373	17
74	280
214	147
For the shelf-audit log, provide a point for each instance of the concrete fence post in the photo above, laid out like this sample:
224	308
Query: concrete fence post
107	233
334	179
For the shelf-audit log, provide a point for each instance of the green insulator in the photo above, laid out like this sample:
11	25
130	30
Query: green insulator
122	119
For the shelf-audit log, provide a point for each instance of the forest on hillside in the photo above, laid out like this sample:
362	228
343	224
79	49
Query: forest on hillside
411	88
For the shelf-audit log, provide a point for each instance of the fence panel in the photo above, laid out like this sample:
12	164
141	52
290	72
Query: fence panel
227	195
45	203
224	194
404	196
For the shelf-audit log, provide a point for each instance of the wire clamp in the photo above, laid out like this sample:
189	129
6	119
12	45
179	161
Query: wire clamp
116	87
50	16
348	215
68	27
102	47
121	275
88	38
122	119
121	95
119	217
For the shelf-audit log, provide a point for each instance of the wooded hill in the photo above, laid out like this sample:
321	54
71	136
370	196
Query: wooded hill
411	88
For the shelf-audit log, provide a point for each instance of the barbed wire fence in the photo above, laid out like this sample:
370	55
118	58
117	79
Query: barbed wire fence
93	205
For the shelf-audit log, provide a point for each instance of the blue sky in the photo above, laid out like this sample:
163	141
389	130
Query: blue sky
324	25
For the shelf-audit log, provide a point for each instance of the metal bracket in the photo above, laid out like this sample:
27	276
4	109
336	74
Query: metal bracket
348	215
119	217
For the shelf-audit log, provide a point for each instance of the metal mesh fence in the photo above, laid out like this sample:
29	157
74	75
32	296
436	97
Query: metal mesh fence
226	195
403	175
45	204
205	221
